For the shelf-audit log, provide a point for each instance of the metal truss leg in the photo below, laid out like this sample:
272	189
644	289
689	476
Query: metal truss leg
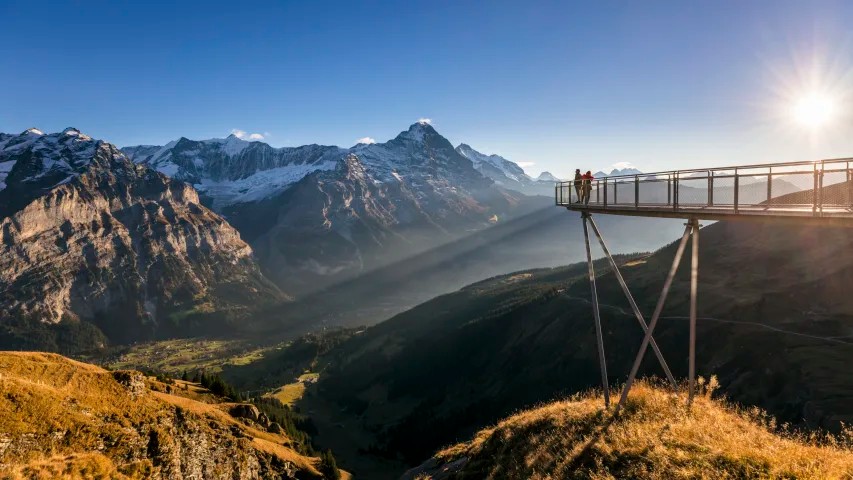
694	287
603	364
658	309
631	301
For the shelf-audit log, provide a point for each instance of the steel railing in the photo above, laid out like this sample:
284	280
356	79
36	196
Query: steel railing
795	188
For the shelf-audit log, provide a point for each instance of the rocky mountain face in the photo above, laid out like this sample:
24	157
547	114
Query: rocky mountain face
507	173
96	249
65	419
316	215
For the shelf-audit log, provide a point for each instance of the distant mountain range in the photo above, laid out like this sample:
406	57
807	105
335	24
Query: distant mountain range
149	234
616	172
318	214
191	236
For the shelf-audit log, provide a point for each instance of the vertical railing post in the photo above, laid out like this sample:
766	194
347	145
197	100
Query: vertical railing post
710	188
615	192
668	188
769	186
637	191
814	192
605	193
598	335
849	190
820	188
675	191
737	189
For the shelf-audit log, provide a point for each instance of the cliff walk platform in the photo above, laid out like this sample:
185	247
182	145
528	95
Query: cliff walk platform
819	191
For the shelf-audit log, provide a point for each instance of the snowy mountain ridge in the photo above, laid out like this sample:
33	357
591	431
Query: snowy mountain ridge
482	162
233	171
617	172
505	173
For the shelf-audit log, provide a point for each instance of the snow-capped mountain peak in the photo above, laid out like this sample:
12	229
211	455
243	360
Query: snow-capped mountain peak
33	162
547	177
417	132
73	132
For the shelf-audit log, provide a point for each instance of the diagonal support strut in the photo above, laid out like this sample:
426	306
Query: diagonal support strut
656	316
602	363
631	301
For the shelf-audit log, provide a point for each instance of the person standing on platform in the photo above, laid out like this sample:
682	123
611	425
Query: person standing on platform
579	185
587	179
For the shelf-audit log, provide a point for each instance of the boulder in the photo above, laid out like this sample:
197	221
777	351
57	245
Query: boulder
133	381
247	411
264	420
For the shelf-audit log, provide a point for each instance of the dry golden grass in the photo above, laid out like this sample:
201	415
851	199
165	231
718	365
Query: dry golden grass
290	393
655	437
64	419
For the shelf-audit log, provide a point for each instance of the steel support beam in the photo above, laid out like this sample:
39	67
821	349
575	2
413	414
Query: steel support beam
694	289
631	301
655	316
599	338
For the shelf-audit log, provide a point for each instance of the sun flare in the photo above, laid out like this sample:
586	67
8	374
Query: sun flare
814	110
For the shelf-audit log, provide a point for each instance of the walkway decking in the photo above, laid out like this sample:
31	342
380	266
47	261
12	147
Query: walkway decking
814	192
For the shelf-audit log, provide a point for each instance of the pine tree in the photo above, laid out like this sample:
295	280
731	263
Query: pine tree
328	466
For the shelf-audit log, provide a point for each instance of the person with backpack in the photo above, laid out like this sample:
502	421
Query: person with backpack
587	179
579	184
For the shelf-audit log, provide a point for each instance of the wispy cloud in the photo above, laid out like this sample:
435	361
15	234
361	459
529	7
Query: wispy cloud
426	121
365	140
525	164
243	135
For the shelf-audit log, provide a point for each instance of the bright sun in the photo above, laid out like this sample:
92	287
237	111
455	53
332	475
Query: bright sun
814	110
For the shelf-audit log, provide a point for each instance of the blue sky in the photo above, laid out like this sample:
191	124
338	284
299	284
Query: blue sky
551	85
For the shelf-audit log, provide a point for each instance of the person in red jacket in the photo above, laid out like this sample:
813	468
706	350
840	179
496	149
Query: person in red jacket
587	186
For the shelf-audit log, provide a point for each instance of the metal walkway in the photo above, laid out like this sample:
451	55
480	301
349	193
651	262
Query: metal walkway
805	192
820	192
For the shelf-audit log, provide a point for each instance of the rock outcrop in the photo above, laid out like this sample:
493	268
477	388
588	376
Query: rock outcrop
61	418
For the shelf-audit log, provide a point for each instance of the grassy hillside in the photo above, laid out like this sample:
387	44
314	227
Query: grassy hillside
655	437
776	326
64	419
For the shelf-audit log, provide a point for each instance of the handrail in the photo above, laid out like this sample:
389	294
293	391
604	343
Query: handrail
819	188
732	167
